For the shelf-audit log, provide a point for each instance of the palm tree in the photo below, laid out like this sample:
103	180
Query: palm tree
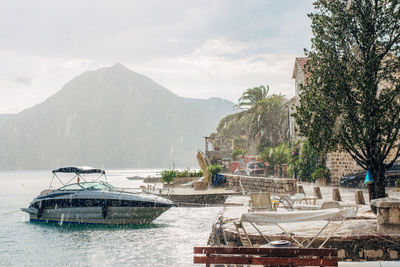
252	96
268	120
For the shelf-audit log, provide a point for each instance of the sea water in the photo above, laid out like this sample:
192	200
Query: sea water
168	241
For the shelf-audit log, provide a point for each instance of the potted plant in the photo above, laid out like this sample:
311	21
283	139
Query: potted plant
167	176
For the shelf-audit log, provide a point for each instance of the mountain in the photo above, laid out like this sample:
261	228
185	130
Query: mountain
111	118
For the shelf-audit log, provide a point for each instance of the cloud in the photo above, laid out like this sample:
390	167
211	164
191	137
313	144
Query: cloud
194	48
140	30
29	80
212	70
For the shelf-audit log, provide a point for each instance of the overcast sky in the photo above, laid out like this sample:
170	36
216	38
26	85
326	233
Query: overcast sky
196	49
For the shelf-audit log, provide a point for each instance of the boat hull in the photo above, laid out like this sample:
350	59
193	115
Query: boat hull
96	215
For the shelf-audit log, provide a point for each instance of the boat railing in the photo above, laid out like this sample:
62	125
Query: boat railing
141	191
121	190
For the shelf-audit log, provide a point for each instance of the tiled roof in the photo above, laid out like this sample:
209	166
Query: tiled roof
302	62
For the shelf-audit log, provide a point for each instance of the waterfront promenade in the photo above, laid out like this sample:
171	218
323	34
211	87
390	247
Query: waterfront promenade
356	238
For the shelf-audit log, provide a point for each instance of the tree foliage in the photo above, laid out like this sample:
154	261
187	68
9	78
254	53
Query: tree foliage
351	99
321	172
167	176
268	120
237	152
252	95
214	170
276	155
265	121
306	162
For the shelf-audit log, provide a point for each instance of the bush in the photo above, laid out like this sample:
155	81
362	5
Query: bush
294	160
188	173
214	169
320	173
184	173
306	163
167	176
196	174
398	182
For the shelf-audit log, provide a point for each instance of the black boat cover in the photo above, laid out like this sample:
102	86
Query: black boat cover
79	170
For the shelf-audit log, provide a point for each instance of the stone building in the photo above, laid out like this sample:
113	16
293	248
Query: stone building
338	163
299	75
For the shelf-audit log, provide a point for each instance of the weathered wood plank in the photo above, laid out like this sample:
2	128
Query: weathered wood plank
275	252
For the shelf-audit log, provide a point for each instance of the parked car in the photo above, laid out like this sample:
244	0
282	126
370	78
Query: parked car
357	180
255	169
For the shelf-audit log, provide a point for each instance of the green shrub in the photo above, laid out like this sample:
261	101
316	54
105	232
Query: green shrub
306	163
184	173
320	173
167	176
196	174
398	182
214	170
294	159
188	173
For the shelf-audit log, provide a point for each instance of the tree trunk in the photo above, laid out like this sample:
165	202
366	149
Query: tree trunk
377	188
380	185
371	191
372	195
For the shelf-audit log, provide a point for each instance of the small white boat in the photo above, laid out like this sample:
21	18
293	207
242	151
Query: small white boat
94	202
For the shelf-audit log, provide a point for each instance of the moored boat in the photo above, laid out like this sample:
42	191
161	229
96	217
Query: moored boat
94	201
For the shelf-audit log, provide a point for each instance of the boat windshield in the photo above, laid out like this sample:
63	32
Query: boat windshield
87	186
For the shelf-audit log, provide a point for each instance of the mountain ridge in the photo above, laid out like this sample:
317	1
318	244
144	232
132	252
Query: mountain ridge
111	117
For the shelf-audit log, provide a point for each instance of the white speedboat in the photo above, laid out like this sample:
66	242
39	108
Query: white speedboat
96	201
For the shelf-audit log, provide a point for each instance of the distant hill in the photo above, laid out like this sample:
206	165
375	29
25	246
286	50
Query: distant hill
5	117
111	118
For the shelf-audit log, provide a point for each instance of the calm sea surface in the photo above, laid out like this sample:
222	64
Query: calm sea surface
168	241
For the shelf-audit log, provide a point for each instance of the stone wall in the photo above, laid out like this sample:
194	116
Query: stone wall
196	199
350	248
281	171
388	214
261	184
341	163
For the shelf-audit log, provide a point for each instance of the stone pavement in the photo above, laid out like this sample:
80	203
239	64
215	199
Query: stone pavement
365	223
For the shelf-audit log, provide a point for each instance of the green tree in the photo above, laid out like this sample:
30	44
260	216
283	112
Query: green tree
252	95
265	121
294	159
351	100
237	152
268	121
307	162
276	156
